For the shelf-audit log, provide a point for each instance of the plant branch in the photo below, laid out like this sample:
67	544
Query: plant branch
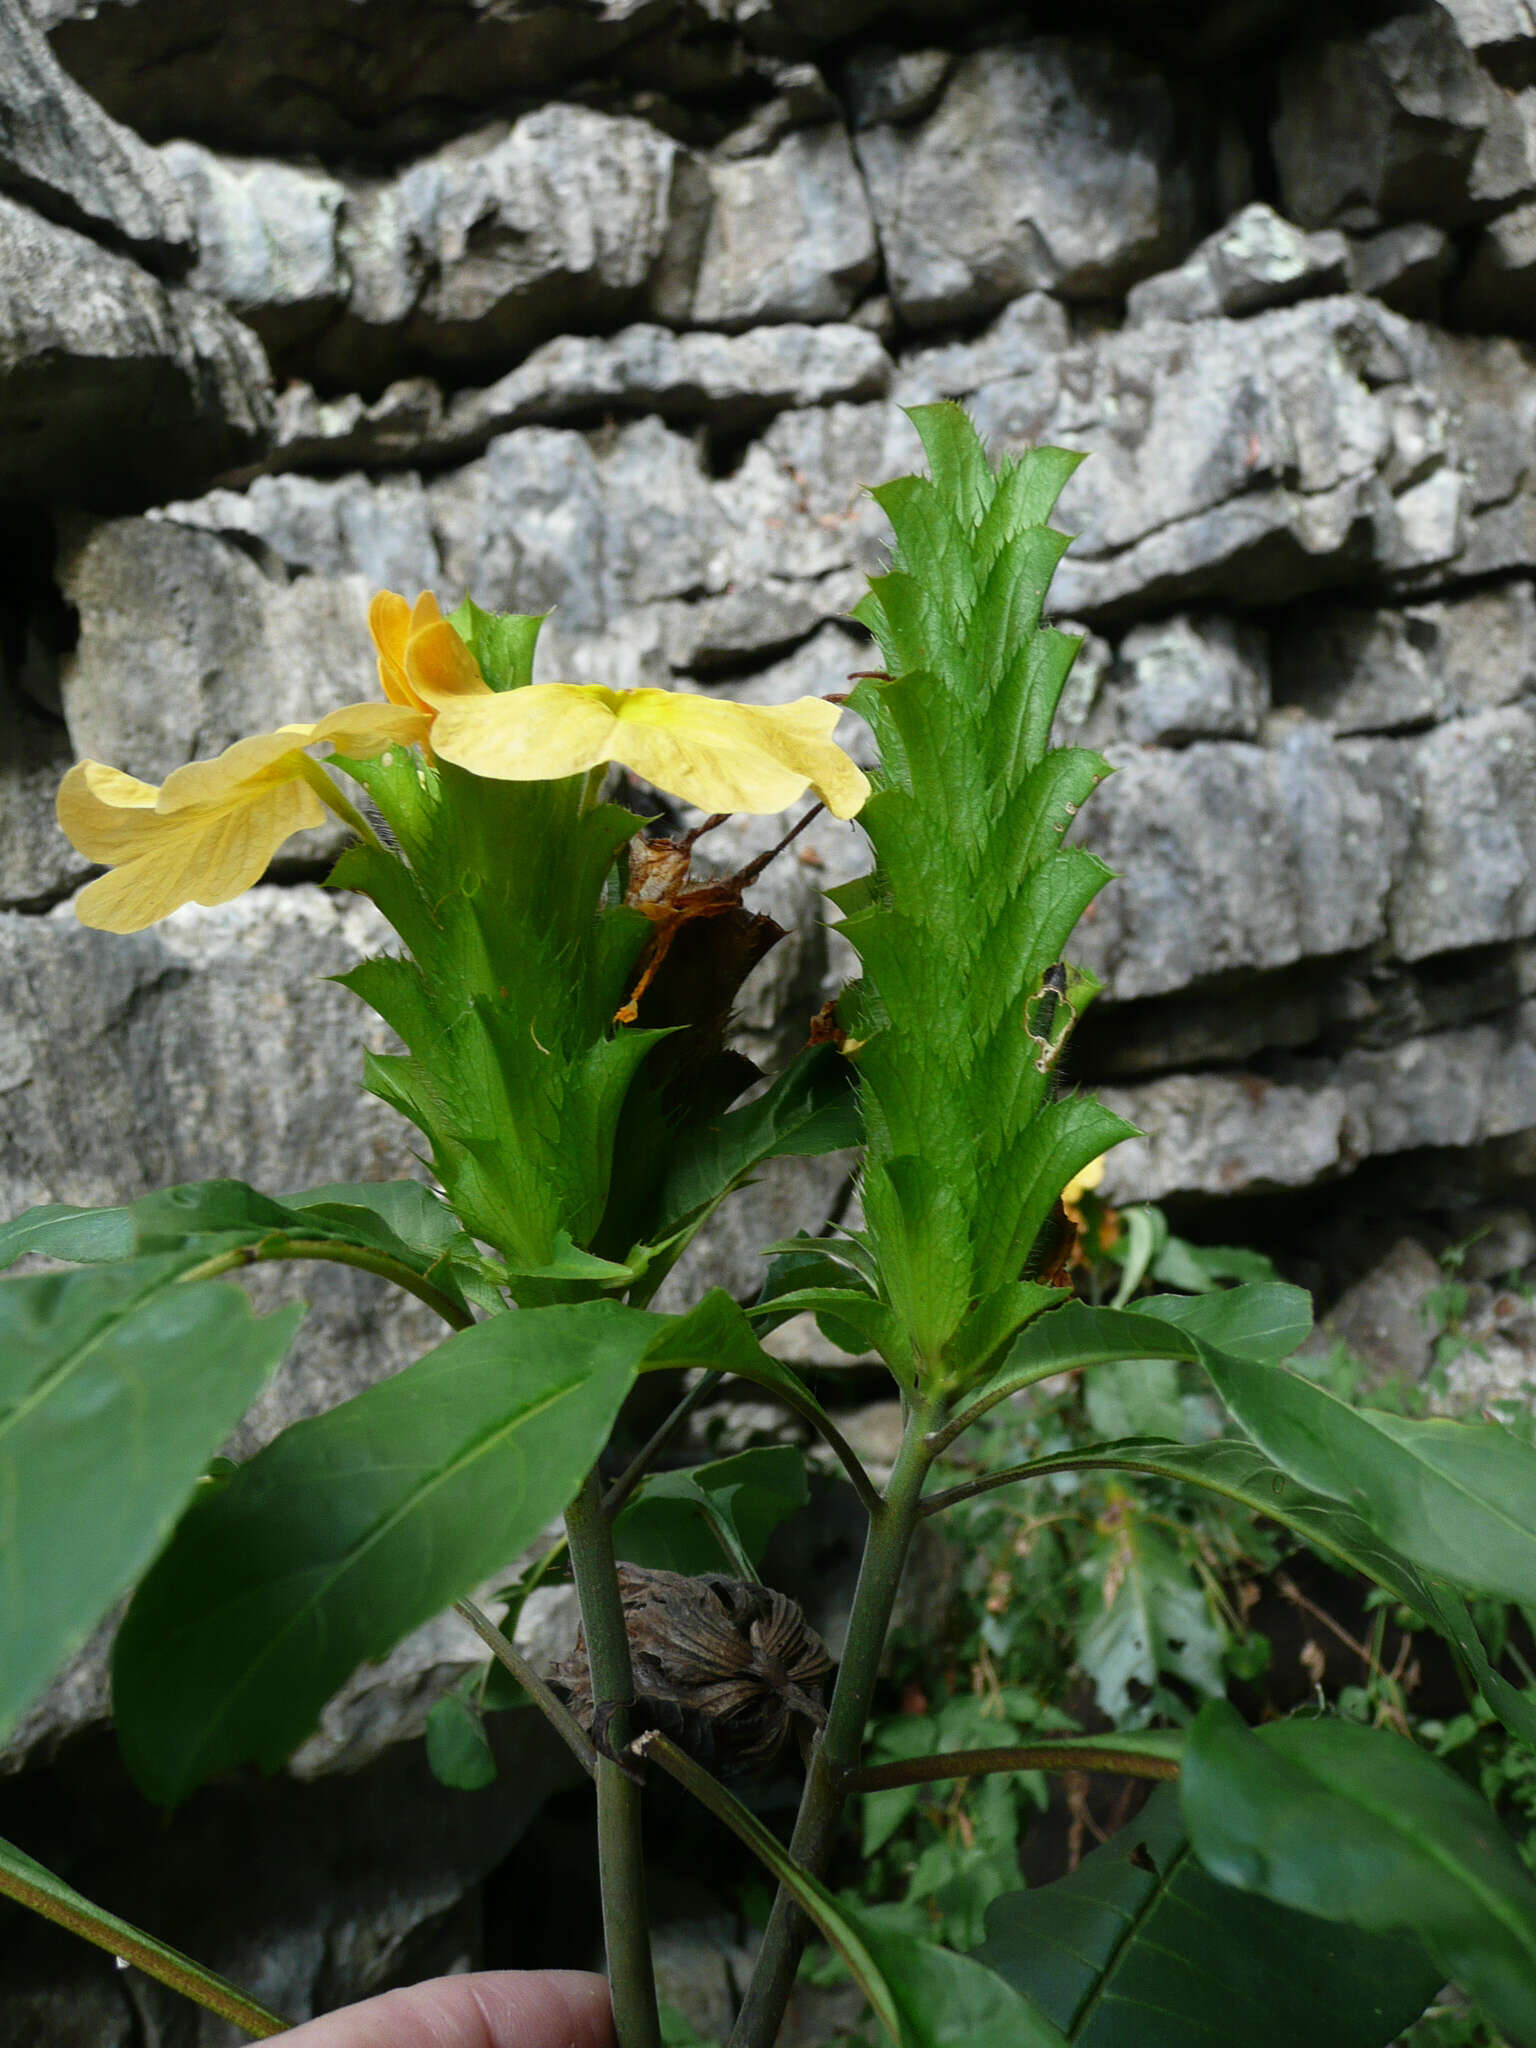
645	1457
277	1247
621	1860
554	1709
165	1965
982	1763
841	1743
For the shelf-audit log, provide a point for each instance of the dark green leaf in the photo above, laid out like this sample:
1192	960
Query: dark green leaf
1357	1824
354	1528
458	1753
117	1384
715	1516
1140	1948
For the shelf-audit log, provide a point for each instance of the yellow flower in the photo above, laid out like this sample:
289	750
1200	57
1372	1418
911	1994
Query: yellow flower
210	830
719	756
1082	1184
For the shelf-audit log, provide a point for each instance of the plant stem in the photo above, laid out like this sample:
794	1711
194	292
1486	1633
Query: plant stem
841	1744
621	1860
554	1710
280	1247
982	1763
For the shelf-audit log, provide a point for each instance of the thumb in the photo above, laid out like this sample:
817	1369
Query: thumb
494	2009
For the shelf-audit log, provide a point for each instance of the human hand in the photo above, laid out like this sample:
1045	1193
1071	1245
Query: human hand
495	2009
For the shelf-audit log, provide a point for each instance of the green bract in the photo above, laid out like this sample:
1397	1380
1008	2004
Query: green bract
966	1002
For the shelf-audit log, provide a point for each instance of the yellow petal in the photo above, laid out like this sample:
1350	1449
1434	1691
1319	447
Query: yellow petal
1083	1183
100	810
362	730
198	854
439	667
717	755
389	621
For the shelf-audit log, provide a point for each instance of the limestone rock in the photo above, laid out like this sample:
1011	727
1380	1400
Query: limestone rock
1047	163
1381	1317
1400	124
63	155
729	380
1501	34
884	84
1498	288
1469	876
266	239
1216	1134
334	526
1189	678
1404	267
115	390
37	863
1358	668
788	236
1257	260
1025	337
382	82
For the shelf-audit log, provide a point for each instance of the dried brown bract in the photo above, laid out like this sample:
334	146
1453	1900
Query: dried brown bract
723	1667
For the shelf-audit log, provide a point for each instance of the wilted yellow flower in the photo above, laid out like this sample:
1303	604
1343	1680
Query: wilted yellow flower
210	830
717	755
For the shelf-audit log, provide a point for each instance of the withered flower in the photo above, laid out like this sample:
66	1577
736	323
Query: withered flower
723	1667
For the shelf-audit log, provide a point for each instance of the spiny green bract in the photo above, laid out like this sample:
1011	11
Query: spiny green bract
516	966
966	1004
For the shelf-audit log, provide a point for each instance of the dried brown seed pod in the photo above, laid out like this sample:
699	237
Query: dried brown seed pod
723	1667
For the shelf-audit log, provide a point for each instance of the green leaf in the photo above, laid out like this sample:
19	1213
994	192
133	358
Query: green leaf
58	1230
458	1753
1265	1320
117	1384
1150	1619
1135	1397
720	1513
26	1881
1140	1948
1358	1824
1458	1498
355	1527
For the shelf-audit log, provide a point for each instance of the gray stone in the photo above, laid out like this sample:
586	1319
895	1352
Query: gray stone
883	83
1256	260
1047	163
335	526
62	154
266	239
377	84
1360	669
1501	34
1026	336
731	381
802	99
1401	124
1219	1134
788	236
1318	844
37	863
1189	678
1498	287
1469	876
1404	267
114	389
1381	1317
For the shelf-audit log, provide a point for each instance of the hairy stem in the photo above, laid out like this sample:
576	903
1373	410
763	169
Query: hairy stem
554	1710
621	1860
280	1247
837	1752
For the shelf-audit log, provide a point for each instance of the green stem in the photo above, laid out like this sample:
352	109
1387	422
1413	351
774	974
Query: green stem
837	1752
554	1710
270	1250
166	1965
982	1763
648	1453
621	1859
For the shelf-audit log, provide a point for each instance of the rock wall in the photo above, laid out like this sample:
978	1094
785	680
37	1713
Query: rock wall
611	306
